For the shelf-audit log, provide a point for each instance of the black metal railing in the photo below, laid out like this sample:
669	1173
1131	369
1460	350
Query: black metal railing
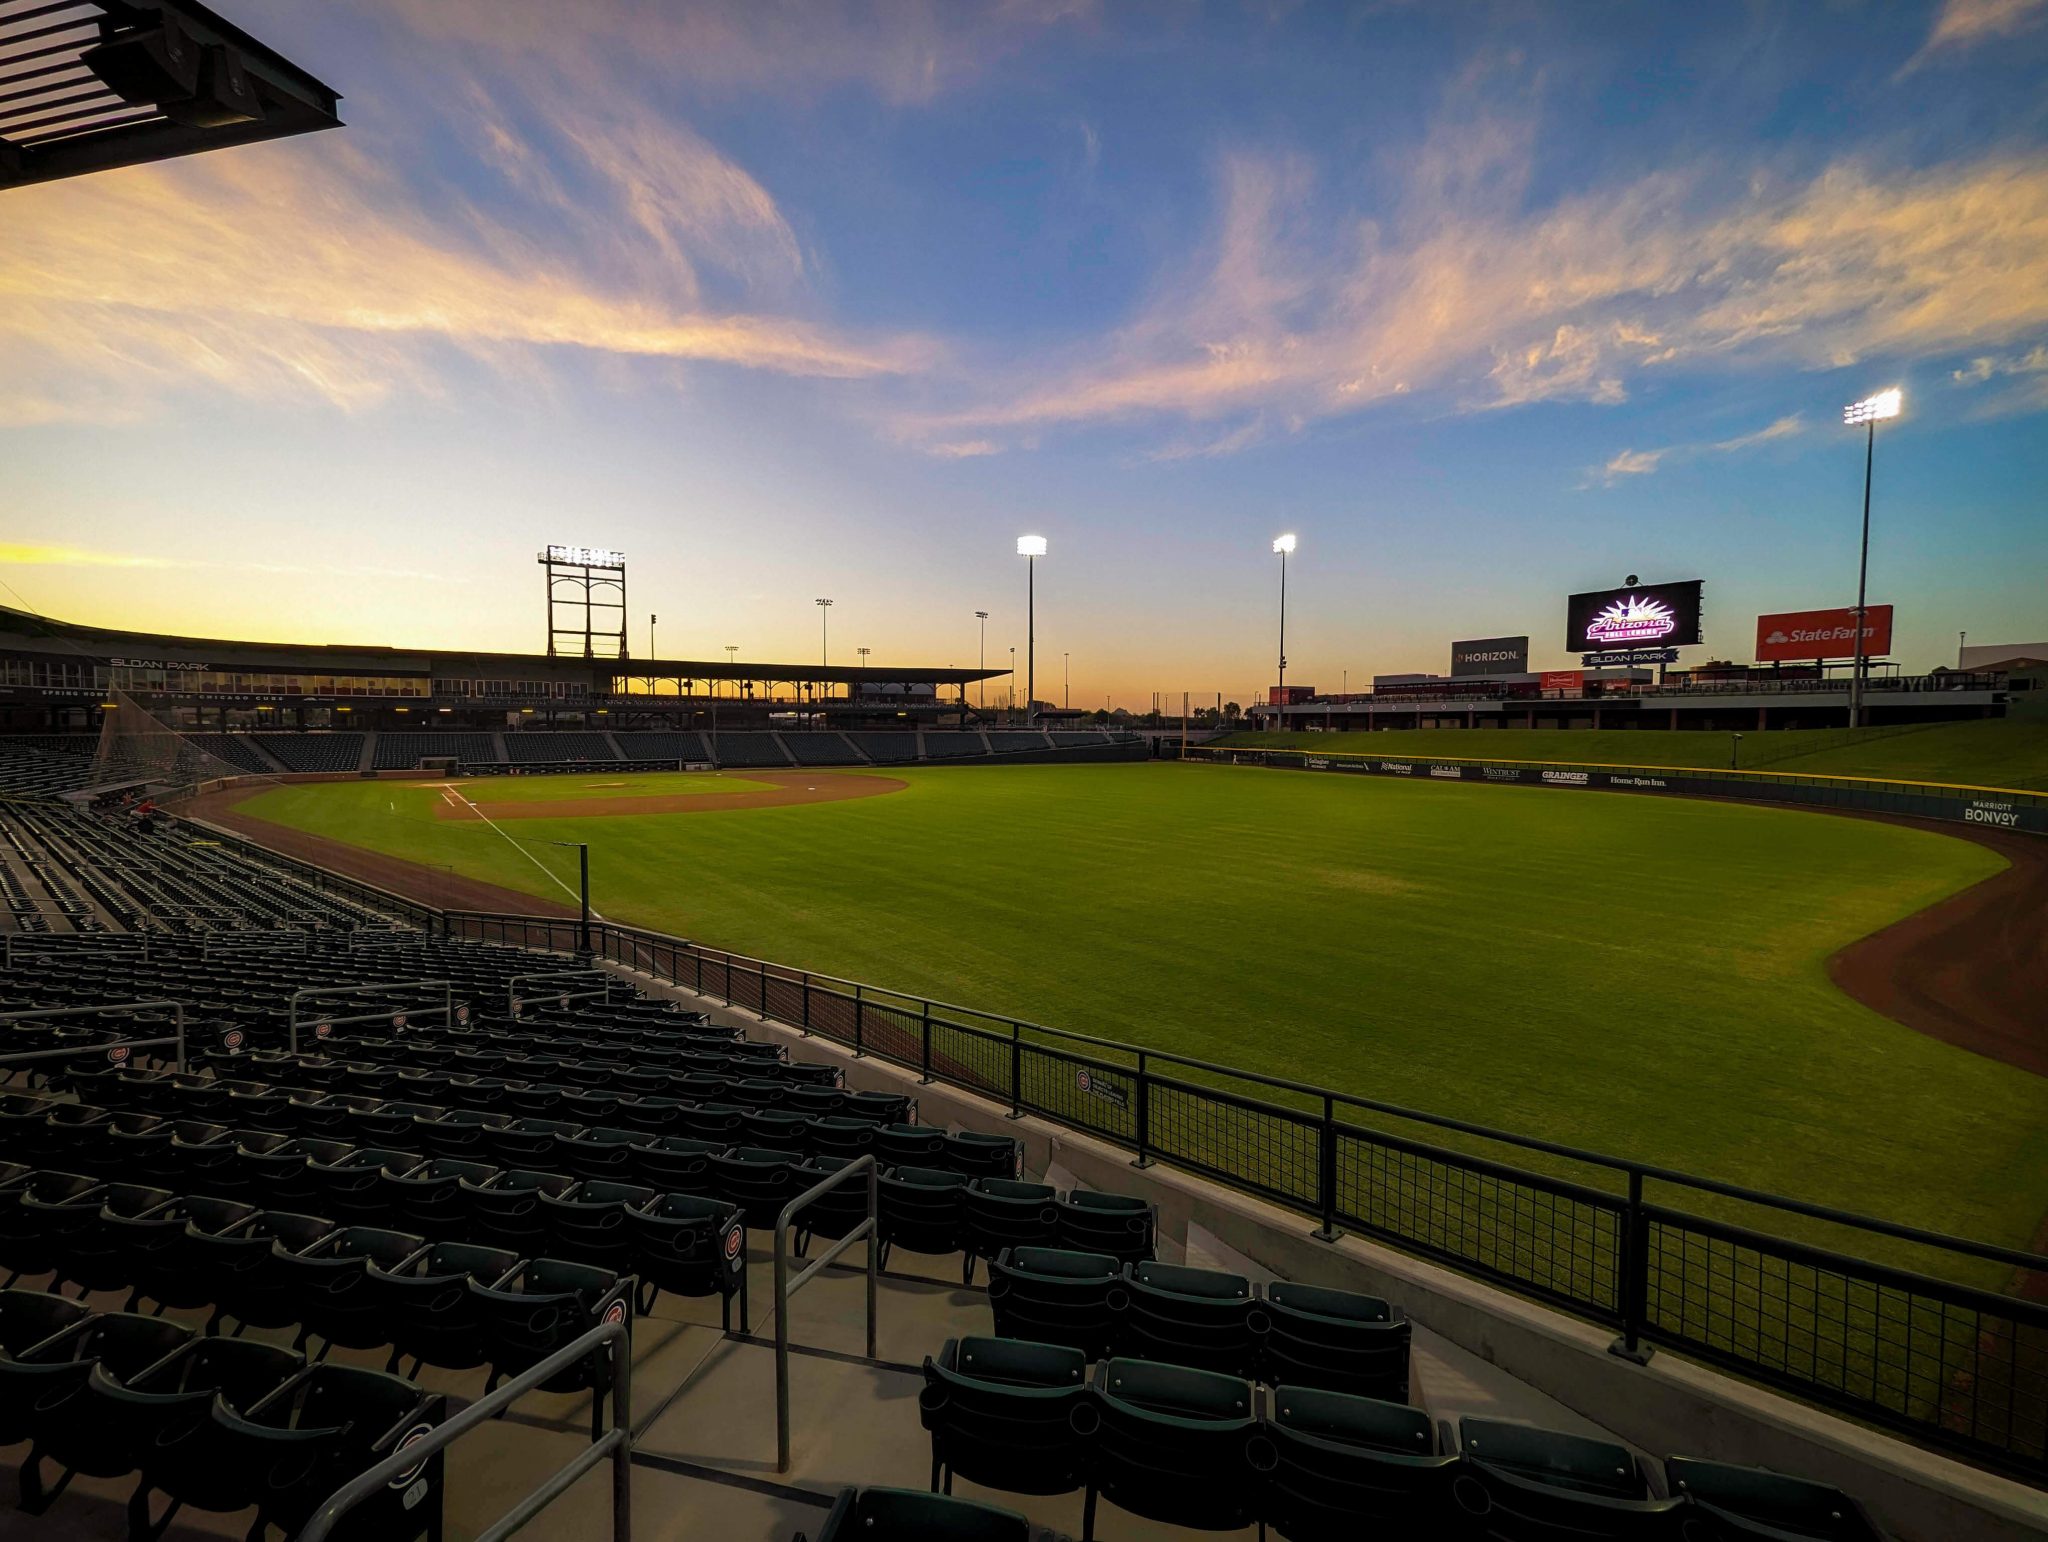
1926	1334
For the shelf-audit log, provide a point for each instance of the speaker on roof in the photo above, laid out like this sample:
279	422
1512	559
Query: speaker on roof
161	64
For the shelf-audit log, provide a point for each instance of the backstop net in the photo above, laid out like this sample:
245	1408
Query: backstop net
137	746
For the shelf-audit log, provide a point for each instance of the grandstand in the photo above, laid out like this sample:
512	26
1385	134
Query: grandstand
316	1179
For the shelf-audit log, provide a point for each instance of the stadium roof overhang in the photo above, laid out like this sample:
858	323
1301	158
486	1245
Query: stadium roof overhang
815	674
20	629
89	85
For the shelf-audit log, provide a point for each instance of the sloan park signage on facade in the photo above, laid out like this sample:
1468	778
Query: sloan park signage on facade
2020	812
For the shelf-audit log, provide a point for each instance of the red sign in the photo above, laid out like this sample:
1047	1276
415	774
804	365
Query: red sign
1563	680
1289	695
1823	634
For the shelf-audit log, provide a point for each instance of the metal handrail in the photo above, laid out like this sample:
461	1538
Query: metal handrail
513	1000
785	1287
22	1057
446	987
616	1443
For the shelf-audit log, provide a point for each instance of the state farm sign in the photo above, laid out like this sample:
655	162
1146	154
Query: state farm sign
1823	634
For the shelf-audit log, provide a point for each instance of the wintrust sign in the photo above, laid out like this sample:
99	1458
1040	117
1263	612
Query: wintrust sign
1822	634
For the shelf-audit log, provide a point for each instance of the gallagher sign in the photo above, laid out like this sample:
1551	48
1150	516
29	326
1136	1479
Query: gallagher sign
1639	616
1823	634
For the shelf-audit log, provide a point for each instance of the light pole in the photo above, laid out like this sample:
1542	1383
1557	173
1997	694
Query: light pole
1734	752
1869	412
1283	545
825	633
732	661
1961	638
1013	677
863	659
1030	548
1067	680
982	617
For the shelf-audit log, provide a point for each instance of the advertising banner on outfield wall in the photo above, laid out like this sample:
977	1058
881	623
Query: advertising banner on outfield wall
1822	634
1490	656
1638	616
1987	810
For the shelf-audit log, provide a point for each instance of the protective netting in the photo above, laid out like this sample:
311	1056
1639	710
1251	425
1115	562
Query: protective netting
138	746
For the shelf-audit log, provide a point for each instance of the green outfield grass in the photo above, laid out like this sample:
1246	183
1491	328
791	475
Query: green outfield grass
616	782
1988	752
1639	975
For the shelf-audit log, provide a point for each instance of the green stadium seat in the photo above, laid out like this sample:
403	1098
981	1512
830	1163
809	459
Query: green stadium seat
1521	1483
1008	1415
1178	1446
1180	1316
906	1515
1005	1213
1733	1503
1312	1336
1055	1296
1346	1467
1117	1224
923	1210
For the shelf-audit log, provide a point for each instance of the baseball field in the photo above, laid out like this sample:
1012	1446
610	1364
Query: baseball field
1638	975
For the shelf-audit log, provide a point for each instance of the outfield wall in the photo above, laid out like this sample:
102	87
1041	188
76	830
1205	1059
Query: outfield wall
1989	807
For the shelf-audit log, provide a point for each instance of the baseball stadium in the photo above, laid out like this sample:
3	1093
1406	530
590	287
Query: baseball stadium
589	1092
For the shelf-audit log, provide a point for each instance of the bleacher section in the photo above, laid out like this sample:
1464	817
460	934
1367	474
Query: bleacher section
663	746
1004	742
750	748
539	747
236	749
403	751
315	751
885	748
821	749
941	744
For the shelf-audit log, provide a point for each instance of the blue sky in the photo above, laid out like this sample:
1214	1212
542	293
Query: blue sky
1488	302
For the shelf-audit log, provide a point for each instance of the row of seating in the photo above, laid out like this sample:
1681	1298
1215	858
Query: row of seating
437	1297
218	1425
1206	1319
1195	1448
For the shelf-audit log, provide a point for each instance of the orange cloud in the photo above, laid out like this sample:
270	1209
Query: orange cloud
1462	292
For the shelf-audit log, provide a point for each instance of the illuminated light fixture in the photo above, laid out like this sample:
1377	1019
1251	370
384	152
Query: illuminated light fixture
344	709
1869	412
108	706
394	709
524	711
1283	544
1874	409
444	709
1030	548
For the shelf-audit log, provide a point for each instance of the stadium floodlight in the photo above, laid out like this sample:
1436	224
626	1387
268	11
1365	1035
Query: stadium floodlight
1874	409
1030	548
982	617
825	633
1283	545
1869	412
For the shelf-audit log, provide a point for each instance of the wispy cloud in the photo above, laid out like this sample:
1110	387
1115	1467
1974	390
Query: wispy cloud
1302	309
906	52
961	449
1642	463
314	272
1962	24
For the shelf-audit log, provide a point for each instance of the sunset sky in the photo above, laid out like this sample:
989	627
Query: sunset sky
791	298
